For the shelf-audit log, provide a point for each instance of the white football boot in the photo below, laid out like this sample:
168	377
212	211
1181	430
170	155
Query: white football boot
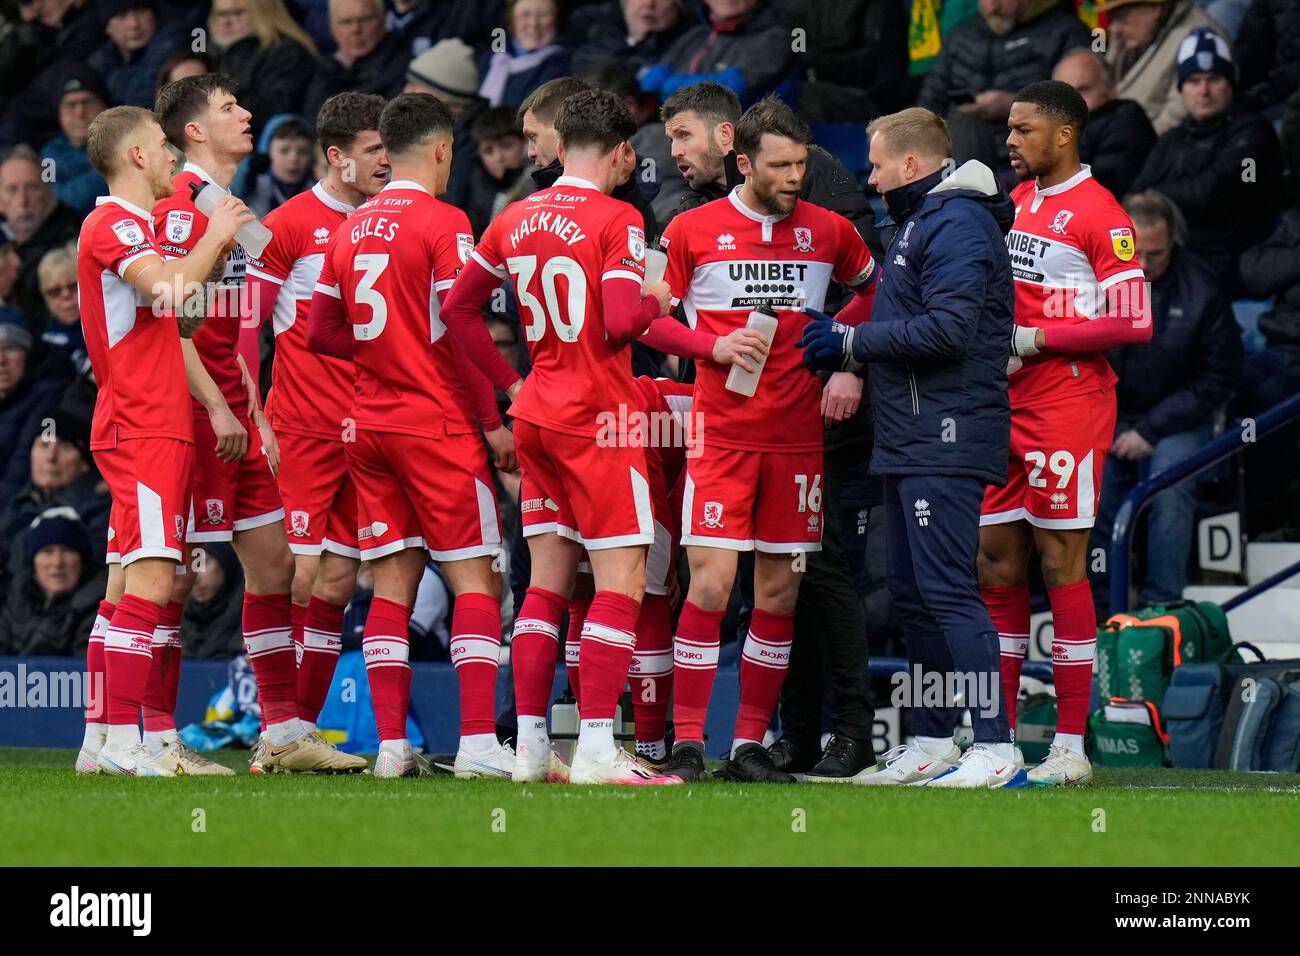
907	765
618	767
983	768
495	764
1062	768
88	757
132	761
538	764
407	764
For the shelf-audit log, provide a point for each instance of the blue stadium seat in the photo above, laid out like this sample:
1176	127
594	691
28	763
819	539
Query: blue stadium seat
848	143
1248	312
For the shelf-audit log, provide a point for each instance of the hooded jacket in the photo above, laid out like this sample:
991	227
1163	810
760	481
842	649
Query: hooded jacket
940	330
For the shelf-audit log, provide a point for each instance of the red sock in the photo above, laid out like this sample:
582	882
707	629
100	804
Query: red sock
386	647
297	620
578	608
321	635
651	673
763	663
607	641
270	650
475	650
95	699
533	649
1074	619
159	703
128	655
695	662
1009	608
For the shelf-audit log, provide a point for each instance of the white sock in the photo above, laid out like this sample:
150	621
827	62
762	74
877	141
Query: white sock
935	746
398	748
532	734
1002	751
94	739
596	738
285	731
478	743
122	736
308	727
1069	741
655	750
156	740
740	742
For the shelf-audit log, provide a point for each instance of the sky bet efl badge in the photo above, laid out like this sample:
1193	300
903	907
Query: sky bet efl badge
1122	240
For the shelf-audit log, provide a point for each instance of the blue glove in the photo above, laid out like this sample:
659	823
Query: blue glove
653	78
827	344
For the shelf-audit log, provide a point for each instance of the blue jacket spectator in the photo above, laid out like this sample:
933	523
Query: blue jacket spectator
82	95
534	55
745	46
422	23
638	31
57	275
31	378
136	50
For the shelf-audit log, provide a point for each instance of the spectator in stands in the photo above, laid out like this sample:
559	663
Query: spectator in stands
81	97
30	379
655	168
448	71
422	23
856	60
10	264
369	59
267	53
288	165
1171	391
37	219
639	31
1268	50
1118	136
57	275
532	56
984	60
51	605
184	62
499	144
210	627
1221	165
135	52
745	46
1143	37
50	31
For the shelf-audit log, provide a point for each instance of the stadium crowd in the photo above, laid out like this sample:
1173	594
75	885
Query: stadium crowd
1194	123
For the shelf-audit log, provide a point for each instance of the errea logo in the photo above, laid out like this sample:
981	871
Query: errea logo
726	241
922	511
1060	501
322	236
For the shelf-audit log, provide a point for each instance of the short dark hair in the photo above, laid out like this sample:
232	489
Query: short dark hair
496	122
344	115
711	102
769	115
1058	100
544	102
181	101
1149	207
292	129
412	118
594	118
183	55
616	74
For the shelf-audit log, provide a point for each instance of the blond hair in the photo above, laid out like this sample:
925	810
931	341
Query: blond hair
60	259
914	131
107	132
273	22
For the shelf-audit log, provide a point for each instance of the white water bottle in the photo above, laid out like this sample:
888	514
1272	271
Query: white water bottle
656	264
762	320
253	236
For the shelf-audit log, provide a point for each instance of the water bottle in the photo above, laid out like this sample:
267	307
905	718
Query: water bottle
656	264
253	236
763	320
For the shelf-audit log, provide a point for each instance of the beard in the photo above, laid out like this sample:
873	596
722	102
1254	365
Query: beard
160	182
1000	23
773	201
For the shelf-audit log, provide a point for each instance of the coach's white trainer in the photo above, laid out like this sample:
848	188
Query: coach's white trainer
497	763
537	763
406	764
133	761
1062	768
985	767
184	761
907	765
617	766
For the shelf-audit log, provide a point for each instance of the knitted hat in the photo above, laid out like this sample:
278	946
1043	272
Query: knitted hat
72	429
108	9
448	67
1204	51
13	327
79	77
61	525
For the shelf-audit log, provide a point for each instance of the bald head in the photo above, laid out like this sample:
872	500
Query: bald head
1088	74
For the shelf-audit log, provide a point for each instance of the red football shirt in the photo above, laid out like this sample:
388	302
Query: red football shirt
311	394
179	226
387	263
135	349
1070	243
557	246
724	261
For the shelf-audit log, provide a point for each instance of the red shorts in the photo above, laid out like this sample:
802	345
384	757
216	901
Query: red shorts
228	497
1054	469
753	500
320	500
149	479
665	511
420	492
596	495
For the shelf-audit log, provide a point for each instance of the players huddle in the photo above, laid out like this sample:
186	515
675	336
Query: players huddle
372	445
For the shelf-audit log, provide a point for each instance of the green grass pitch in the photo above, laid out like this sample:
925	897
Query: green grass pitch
1130	817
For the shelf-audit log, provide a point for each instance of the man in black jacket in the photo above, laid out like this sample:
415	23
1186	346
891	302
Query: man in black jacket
369	59
1170	392
1118	137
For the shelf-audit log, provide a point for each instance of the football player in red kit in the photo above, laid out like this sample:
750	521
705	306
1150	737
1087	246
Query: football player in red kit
142	434
576	258
310	404
1080	290
417	460
233	497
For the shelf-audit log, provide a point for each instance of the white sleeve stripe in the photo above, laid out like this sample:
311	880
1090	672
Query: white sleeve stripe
621	274
498	271
254	271
121	266
329	290
1122	276
443	284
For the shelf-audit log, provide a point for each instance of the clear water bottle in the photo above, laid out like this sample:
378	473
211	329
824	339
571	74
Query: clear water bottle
762	320
253	236
656	264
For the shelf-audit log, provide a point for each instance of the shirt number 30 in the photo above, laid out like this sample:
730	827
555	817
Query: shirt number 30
567	321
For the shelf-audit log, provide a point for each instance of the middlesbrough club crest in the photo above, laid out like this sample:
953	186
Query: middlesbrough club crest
298	524
180	527
803	239
216	511
712	514
179	225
